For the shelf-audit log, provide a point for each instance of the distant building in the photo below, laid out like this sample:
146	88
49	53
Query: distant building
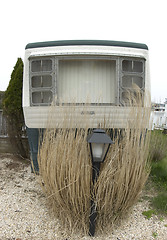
159	115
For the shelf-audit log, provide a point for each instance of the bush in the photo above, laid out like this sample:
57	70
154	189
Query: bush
158	143
159	170
160	203
12	107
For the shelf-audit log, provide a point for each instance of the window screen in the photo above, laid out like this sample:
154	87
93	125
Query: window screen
43	97
132	66
41	65
131	81
41	81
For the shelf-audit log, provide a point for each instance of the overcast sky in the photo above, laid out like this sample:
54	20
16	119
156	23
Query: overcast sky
143	21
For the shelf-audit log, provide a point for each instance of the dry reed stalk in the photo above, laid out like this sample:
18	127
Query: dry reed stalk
125	170
65	169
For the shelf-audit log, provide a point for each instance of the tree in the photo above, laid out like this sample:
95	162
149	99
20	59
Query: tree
12	107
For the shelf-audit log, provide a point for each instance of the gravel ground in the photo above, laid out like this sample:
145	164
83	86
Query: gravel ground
24	213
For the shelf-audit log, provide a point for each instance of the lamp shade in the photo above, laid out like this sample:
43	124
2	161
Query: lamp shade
99	143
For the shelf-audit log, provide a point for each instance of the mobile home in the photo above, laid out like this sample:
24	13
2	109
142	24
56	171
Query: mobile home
69	73
159	115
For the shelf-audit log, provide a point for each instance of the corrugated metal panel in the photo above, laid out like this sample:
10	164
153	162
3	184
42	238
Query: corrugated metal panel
78	116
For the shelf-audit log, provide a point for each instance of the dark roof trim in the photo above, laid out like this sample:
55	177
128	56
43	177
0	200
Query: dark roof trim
87	42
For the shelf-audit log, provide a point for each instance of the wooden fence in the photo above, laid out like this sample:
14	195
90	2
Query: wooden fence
3	124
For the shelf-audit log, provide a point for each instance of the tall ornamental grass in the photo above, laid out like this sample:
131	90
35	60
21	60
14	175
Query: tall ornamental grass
66	172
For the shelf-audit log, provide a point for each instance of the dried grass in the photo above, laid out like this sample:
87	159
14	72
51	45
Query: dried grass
66	173
65	169
124	173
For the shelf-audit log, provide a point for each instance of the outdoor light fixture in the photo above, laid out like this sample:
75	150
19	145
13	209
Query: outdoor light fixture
99	143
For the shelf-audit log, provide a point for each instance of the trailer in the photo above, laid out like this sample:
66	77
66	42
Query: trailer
82	80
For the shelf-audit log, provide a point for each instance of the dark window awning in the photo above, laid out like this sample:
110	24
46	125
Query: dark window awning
87	42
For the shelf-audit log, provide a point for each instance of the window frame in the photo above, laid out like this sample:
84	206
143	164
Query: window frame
41	73
55	74
123	73
89	57
119	73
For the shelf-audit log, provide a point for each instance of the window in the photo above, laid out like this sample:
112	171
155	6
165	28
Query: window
132	66
87	80
41	80
132	81
42	97
103	80
41	65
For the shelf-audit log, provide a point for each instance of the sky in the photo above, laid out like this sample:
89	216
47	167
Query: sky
143	21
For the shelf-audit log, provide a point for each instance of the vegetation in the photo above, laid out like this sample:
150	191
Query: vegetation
65	171
158	143
148	214
154	234
160	203
159	171
12	107
158	175
159	179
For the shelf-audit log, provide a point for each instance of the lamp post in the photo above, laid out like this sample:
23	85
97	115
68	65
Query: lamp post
99	143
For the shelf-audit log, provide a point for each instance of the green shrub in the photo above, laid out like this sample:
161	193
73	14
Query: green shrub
160	203
12	108
159	171
159	177
158	143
